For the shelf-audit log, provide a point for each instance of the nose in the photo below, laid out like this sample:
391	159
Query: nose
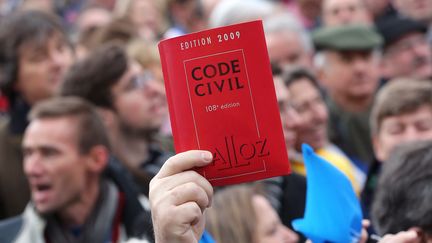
411	134
345	16
293	118
422	49
33	166
289	236
57	60
56	56
319	112
360	64
154	88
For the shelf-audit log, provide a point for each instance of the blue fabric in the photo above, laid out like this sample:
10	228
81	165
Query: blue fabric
206	238
333	212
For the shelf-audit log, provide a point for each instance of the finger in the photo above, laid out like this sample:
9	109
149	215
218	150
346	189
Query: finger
171	182
164	185
190	192
161	189
364	233
407	236
401	237
193	219
188	213
365	223
386	238
185	161
179	226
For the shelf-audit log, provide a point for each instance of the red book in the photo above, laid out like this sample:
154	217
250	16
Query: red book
221	98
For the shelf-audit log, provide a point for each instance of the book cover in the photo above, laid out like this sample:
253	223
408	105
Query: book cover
221	98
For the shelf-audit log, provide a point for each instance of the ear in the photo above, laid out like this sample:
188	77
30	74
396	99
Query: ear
321	65
385	68
97	158
322	76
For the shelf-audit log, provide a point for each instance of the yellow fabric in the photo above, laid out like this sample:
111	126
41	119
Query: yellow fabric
339	161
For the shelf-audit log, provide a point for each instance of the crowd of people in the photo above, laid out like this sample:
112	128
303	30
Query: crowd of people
86	151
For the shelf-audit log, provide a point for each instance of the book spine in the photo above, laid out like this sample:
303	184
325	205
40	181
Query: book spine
169	85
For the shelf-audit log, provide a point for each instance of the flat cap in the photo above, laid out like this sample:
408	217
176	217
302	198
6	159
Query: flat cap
347	38
394	27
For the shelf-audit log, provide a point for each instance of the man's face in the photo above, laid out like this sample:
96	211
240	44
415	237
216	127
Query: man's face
376	7
286	49
139	100
417	9
310	106
290	118
339	12
93	18
395	130
409	57
42	68
56	171
310	8
146	16
351	74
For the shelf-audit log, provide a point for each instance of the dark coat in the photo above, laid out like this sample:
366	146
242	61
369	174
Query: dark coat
14	189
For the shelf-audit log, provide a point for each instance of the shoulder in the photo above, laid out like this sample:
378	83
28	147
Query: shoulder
7	138
4	123
27	227
10	145
295	182
10	228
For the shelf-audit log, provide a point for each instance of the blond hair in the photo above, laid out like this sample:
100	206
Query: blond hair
232	217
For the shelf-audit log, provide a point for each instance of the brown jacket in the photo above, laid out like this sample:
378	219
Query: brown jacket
14	189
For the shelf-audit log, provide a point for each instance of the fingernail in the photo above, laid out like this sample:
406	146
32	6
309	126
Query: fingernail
207	156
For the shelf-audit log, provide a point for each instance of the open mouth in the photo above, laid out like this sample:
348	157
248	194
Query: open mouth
158	108
43	187
42	195
41	191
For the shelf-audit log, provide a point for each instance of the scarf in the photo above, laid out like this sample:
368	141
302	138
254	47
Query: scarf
98	226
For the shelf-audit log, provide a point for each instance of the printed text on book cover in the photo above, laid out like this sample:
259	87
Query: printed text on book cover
222	99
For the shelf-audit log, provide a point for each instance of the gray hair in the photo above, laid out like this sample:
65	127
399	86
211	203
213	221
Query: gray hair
286	22
229	12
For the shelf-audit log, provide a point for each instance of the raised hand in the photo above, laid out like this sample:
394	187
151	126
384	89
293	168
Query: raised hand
178	198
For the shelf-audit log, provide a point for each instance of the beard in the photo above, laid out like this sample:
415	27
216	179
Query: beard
147	133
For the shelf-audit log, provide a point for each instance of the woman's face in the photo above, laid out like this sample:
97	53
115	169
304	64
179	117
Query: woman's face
269	228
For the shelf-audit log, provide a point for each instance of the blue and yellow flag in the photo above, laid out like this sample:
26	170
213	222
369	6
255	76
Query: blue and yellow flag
333	212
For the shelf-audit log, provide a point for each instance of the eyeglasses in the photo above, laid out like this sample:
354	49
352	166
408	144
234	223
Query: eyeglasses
139	81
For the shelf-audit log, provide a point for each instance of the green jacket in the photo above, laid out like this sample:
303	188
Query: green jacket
350	132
